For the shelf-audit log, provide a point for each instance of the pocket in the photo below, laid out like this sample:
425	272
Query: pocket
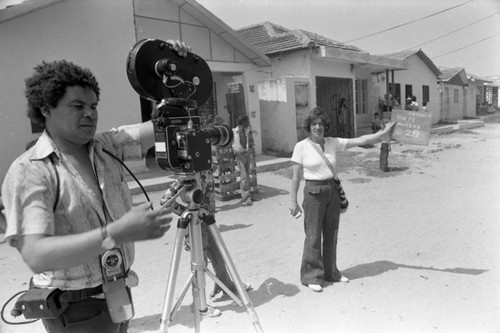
84	311
314	190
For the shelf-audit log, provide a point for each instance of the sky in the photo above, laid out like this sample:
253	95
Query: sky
345	20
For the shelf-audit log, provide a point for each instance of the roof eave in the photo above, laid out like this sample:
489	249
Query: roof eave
24	8
222	30
361	59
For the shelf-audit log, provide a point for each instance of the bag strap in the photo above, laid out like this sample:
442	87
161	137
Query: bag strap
323	156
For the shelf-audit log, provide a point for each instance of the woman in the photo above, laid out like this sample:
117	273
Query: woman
321	198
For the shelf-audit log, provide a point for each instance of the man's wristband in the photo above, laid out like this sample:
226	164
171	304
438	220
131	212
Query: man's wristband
107	241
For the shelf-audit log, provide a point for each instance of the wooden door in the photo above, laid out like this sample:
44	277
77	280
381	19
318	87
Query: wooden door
235	102
335	96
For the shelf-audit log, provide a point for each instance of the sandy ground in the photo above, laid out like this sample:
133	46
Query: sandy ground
421	245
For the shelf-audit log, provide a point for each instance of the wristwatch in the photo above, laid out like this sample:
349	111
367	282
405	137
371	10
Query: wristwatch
108	242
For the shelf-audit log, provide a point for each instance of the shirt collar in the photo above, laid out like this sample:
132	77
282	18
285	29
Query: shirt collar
45	146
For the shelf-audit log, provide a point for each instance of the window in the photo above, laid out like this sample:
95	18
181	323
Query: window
361	96
455	95
408	91
425	94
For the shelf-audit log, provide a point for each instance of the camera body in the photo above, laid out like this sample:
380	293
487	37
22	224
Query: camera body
178	85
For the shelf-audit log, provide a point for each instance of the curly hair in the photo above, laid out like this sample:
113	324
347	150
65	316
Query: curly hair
314	114
47	86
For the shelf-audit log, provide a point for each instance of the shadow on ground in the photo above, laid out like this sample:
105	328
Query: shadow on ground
267	291
264	192
226	227
383	266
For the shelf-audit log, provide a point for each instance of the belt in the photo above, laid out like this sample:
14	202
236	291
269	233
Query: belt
77	295
330	181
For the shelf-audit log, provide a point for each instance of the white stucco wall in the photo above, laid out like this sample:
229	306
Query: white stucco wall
99	35
455	109
78	31
278	114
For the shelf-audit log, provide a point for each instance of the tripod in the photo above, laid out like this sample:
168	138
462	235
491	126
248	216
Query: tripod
189	218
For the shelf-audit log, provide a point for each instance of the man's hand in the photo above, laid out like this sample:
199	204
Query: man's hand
141	223
181	47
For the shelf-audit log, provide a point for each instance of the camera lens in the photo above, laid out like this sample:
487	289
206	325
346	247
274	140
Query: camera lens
221	135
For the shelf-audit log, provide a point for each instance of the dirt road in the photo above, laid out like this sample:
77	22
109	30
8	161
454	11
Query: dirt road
421	245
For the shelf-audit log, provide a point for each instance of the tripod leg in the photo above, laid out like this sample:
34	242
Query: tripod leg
224	287
236	278
166	315
197	263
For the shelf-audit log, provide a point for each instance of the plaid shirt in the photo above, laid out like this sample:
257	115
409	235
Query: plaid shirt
29	193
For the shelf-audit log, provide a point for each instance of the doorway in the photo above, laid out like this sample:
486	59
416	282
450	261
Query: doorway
335	96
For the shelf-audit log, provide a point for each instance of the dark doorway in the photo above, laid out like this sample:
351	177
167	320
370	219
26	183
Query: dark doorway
235	102
335	96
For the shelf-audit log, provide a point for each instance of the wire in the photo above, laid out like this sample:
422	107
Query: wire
407	23
11	322
466	46
130	172
432	40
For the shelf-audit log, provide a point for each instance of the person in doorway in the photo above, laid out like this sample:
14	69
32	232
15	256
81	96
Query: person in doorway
408	104
424	107
321	205
342	118
66	204
414	104
376	123
242	142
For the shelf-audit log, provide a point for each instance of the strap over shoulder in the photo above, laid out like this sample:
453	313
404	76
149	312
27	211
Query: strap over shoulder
323	156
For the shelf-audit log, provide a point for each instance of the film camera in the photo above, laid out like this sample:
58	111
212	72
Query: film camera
178	85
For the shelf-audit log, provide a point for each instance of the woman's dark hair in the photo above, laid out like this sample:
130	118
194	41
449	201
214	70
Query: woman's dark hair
48	84
314	114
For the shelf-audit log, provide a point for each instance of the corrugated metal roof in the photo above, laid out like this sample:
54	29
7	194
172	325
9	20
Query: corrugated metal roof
271	38
403	55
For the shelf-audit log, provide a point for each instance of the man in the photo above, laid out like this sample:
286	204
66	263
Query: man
414	104
242	142
66	201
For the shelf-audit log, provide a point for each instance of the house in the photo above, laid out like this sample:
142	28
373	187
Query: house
476	94
454	88
99	35
310	70
420	80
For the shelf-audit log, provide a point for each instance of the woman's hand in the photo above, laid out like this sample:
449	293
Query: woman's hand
181	47
388	130
295	210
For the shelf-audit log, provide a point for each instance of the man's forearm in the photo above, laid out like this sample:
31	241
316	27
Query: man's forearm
47	253
147	136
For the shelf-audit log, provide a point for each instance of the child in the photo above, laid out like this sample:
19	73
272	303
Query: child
376	123
424	107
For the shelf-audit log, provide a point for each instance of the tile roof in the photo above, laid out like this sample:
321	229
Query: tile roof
270	38
448	73
403	55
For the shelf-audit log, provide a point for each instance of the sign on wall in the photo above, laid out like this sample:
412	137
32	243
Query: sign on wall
412	127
